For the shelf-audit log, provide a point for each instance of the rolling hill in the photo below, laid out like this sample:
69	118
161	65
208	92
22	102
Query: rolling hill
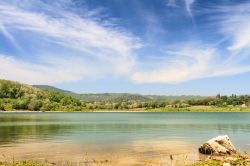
118	97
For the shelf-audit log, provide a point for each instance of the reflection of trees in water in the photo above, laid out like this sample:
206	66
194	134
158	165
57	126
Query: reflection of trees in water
13	133
34	117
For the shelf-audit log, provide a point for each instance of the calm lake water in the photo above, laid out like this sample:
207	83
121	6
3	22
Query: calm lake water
120	137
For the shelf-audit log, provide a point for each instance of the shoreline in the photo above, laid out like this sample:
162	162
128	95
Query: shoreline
207	160
124	112
200	108
121	111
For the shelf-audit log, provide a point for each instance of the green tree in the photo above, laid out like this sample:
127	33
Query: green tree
35	105
2	108
10	89
55	96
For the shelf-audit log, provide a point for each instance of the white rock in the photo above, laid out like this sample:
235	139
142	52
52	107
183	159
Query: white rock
220	145
228	159
226	164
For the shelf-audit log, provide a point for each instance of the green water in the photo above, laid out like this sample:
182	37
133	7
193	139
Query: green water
42	135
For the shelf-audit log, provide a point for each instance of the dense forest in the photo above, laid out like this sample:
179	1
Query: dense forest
17	96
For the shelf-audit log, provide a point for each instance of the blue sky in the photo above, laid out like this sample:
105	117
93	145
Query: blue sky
168	47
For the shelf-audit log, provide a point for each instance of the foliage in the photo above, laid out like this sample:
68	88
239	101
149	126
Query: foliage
9	89
209	163
238	160
24	163
16	96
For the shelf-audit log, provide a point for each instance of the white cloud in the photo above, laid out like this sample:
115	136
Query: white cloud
171	3
189	63
189	4
236	26
104	43
196	61
56	72
232	21
9	36
186	64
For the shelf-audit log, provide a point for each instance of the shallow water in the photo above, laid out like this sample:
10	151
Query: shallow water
120	137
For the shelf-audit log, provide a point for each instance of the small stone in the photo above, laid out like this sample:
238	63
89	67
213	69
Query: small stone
217	158
228	159
226	164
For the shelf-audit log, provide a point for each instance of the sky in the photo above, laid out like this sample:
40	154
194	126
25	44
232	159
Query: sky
163	47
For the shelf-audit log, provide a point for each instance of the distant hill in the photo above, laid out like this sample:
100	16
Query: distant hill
99	97
118	97
113	97
51	88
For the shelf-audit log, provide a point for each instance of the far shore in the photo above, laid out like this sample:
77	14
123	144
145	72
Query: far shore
167	109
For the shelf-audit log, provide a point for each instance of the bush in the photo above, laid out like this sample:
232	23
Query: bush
48	106
2	107
35	105
20	104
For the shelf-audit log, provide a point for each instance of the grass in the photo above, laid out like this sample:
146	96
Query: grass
202	109
24	163
238	160
220	163
209	163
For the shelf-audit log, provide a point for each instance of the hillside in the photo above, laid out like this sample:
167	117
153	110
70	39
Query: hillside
17	96
51	88
99	97
119	97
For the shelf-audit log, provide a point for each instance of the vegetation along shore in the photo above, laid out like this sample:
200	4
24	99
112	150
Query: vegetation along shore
16	96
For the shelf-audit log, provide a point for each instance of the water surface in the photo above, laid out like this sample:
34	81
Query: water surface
116	136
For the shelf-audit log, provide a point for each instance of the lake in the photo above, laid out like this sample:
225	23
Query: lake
116	137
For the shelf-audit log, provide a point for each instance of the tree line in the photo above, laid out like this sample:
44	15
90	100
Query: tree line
16	96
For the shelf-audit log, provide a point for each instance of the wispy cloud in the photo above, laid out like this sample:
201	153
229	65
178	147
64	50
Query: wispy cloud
9	36
102	42
95	48
235	25
178	66
194	61
171	3
189	4
41	73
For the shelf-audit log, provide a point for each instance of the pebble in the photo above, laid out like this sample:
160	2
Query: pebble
226	164
231	159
